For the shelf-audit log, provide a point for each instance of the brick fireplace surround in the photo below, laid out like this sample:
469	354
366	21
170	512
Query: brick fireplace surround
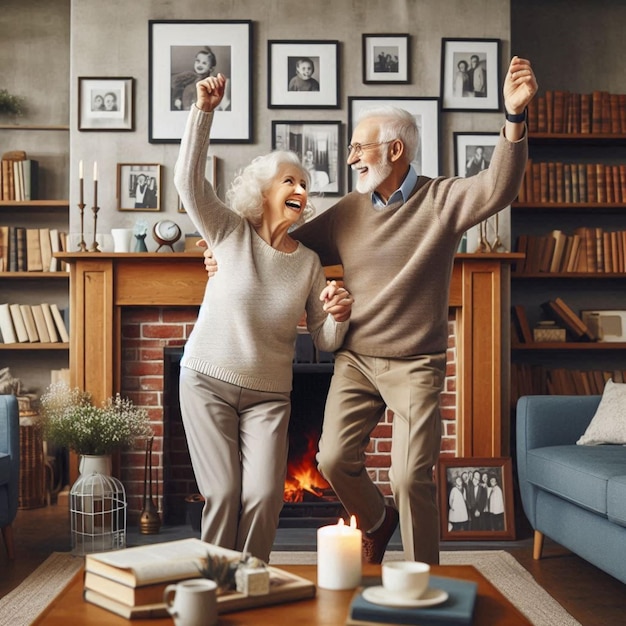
126	308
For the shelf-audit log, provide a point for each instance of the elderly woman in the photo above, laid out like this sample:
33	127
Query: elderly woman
236	371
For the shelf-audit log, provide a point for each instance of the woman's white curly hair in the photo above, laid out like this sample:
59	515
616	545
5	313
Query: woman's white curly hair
246	192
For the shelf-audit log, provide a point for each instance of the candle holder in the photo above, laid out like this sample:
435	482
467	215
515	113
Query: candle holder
94	243
82	246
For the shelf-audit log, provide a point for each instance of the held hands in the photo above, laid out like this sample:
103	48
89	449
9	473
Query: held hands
210	92
337	301
520	85
210	264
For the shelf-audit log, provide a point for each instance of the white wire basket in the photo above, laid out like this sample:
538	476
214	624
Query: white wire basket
98	514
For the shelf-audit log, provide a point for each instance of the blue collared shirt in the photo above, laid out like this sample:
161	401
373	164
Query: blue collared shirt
399	195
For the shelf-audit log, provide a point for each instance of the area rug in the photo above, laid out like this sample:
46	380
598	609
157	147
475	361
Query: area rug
21	606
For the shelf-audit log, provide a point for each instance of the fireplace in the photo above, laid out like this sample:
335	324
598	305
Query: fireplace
127	307
309	500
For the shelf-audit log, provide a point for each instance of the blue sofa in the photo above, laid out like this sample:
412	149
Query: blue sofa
575	495
9	468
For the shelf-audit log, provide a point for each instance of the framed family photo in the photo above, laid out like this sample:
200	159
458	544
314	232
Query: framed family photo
317	143
106	103
185	52
303	74
475	498
426	114
470	75
472	154
138	187
386	59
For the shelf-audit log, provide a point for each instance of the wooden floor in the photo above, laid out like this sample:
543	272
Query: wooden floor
590	595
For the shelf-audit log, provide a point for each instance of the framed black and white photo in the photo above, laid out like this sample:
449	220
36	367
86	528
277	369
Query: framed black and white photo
386	58
106	103
185	52
138	187
318	146
475	498
472	154
210	173
426	114
470	75
303	74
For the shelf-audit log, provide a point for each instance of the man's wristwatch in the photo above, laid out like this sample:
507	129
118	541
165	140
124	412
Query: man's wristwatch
517	118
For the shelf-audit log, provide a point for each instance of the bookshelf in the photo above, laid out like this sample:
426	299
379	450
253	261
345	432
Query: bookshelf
573	366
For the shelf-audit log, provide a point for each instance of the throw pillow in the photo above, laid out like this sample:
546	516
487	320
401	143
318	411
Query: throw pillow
609	422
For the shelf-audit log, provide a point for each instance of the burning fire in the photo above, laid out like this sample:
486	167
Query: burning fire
302	475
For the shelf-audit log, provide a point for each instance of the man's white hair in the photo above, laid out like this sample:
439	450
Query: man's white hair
396	123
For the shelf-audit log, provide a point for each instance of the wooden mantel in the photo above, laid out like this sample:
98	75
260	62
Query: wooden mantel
101	284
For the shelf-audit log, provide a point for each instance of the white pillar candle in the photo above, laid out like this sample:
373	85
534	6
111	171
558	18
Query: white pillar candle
339	556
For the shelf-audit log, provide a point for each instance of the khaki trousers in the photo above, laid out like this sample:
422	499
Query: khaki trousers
238	444
361	388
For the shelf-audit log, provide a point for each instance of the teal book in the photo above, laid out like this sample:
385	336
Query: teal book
457	610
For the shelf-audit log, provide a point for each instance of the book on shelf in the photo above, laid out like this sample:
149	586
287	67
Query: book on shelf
50	323
45	246
157	565
33	251
573	323
18	323
55	246
29	322
40	323
457	610
4	248
31	179
60	323
521	323
6	324
20	247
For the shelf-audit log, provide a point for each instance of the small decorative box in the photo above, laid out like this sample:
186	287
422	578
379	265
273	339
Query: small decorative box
252	581
548	331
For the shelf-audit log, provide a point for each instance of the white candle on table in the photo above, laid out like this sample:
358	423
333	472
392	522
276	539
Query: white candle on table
339	556
95	183
80	178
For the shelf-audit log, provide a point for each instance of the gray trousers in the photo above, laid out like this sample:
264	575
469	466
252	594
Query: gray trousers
238	444
360	390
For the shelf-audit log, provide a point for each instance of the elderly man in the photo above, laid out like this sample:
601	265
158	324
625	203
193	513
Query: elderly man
396	237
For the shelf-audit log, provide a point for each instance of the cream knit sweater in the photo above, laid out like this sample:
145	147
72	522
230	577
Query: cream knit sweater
247	325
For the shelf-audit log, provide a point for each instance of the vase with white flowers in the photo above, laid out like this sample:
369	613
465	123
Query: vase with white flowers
70	420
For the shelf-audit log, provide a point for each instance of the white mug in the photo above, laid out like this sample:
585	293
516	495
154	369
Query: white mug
406	579
121	239
192	602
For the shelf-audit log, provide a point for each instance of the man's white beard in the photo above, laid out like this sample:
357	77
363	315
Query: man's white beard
376	174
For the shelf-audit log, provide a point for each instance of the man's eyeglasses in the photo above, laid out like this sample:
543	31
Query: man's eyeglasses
359	147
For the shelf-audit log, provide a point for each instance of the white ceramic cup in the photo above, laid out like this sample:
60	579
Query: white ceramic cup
121	239
406	579
192	602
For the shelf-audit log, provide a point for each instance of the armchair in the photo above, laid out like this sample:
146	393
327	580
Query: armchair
9	468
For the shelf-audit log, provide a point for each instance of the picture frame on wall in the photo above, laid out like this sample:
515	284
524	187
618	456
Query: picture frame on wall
106	104
138	187
426	114
181	53
386	58
475	498
317	144
472	154
303	74
210	173
470	75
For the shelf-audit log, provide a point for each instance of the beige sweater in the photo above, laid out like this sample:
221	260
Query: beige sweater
247	324
398	261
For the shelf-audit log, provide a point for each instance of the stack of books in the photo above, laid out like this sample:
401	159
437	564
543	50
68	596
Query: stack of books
18	177
131	582
32	323
24	249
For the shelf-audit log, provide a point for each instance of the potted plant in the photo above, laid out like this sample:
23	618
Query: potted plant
70	420
10	104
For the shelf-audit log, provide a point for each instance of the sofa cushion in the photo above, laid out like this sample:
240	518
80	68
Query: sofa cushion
5	468
579	474
616	500
608	424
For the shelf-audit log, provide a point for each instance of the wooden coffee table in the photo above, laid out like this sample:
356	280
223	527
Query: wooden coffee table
328	608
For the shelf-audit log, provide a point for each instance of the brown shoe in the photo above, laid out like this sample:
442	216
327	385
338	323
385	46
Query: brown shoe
374	544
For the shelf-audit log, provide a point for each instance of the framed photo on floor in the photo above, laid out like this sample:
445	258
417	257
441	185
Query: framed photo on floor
106	103
184	52
303	74
472	154
317	143
470	75
138	187
426	113
386	59
475	498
